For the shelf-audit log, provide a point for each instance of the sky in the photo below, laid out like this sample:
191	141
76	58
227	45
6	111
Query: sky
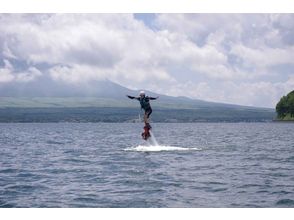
245	59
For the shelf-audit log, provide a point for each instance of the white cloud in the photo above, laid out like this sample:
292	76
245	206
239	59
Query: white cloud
8	74
92	45
264	94
5	75
76	74
222	55
264	57
31	74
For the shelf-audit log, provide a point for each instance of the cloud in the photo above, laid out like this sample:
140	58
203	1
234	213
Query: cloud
5	72
76	74
61	39
8	74
265	94
264	57
207	56
31	74
79	47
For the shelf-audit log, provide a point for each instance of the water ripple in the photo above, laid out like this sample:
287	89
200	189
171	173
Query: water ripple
94	165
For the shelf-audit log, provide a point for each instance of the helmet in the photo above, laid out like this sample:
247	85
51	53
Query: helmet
142	93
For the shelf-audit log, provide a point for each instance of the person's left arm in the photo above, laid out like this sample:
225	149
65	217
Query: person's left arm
153	98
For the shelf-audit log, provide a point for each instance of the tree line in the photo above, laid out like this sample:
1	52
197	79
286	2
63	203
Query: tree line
286	106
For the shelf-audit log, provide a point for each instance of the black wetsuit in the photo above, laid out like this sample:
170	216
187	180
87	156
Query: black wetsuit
145	104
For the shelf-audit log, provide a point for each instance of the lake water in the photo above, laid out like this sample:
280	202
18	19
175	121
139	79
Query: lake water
109	165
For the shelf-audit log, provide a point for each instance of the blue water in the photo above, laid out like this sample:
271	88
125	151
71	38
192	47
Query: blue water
108	165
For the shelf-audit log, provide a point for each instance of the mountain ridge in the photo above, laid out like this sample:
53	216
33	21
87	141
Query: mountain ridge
45	91
106	101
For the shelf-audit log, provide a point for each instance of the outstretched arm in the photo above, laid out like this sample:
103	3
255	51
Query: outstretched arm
132	97
152	98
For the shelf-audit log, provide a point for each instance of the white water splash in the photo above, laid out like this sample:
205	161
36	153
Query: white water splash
152	140
153	146
157	148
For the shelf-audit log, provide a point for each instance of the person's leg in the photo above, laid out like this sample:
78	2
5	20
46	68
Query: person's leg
146	117
147	127
147	114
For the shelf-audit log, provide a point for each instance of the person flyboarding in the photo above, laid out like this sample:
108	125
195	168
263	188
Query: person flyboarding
145	104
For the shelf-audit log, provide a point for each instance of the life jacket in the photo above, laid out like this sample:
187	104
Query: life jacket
145	103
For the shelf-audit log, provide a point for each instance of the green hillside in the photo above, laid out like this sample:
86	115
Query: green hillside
62	102
92	109
285	107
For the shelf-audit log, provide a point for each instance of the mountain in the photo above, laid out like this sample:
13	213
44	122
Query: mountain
48	100
46	87
92	94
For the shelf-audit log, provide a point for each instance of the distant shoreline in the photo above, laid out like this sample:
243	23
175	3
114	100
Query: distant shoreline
131	115
284	121
100	122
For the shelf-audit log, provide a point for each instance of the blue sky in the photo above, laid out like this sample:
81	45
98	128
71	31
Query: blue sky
147	18
244	59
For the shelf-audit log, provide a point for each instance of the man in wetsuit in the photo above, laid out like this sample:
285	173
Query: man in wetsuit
145	104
